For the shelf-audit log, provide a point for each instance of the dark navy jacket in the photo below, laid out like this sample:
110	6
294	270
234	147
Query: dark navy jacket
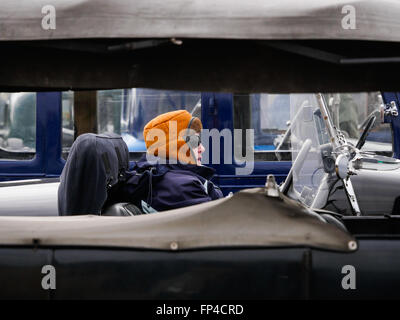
171	186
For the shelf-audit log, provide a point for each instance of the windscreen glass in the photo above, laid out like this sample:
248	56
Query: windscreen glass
307	129
17	125
269	116
350	113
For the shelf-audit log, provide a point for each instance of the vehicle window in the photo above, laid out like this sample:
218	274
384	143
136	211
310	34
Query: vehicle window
17	125
67	137
126	112
350	112
142	105
269	115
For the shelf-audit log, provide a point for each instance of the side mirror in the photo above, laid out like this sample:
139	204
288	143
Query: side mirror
341	165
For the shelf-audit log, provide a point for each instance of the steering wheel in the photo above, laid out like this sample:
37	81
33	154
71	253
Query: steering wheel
363	138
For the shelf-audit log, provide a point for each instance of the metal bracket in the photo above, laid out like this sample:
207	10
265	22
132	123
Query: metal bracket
271	186
341	139
390	109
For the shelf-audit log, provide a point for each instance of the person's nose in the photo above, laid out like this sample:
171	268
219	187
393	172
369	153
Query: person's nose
201	148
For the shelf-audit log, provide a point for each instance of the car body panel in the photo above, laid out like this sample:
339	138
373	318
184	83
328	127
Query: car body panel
247	273
20	272
29	197
376	263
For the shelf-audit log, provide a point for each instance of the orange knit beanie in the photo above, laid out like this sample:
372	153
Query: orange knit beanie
164	135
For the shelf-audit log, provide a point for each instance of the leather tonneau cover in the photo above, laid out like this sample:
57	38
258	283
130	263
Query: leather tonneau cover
95	164
249	218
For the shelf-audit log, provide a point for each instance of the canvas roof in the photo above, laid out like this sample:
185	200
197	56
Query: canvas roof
227	19
201	45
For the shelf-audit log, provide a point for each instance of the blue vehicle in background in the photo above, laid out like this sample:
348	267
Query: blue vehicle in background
141	105
37	129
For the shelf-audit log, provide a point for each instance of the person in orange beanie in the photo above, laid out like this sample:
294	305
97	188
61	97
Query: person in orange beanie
174	136
174	151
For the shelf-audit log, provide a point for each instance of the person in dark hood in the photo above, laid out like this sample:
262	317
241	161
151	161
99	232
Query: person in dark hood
173	143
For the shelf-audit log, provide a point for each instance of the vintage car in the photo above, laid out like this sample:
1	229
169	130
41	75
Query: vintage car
298	236
326	232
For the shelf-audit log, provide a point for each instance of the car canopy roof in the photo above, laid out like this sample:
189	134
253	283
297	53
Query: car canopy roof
201	45
222	19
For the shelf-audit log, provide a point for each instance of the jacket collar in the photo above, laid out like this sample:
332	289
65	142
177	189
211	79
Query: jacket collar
203	171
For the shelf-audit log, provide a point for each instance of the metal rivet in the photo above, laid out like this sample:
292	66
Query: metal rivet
352	245
174	245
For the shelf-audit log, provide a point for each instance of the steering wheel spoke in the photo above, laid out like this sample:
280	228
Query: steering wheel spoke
351	195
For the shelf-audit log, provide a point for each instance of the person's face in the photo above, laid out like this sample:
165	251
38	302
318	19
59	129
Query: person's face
198	152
